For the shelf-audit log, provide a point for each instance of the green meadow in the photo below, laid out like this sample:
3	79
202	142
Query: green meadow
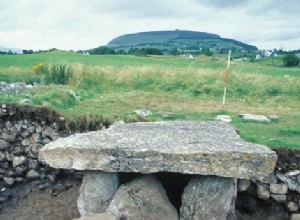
111	87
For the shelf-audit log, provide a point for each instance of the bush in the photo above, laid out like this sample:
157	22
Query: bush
56	74
290	60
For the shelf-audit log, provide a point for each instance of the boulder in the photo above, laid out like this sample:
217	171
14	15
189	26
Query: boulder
255	118
225	118
207	197
96	192
292	179
143	112
263	191
205	148
278	188
142	198
100	216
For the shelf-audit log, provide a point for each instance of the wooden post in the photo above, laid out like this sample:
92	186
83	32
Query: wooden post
226	78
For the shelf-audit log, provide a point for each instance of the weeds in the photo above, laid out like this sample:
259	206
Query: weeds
54	74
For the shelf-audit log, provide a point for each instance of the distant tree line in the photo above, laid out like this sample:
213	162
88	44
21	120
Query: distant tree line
7	52
102	50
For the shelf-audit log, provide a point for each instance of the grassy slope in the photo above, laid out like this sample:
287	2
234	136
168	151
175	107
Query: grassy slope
113	86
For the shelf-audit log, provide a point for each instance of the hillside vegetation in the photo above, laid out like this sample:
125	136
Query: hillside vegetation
110	88
190	41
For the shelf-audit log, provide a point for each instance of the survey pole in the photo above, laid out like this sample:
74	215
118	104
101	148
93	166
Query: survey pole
226	77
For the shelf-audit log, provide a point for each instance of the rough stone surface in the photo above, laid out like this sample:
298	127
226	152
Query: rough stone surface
205	148
225	118
295	217
263	191
278	188
9	180
100	216
292	179
255	118
243	184
143	112
278	198
142	198
96	192
207	197
292	207
32	174
17	161
4	145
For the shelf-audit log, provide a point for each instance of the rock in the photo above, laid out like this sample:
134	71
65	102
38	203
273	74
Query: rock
9	180
100	216
26	142
243	185
2	156
4	164
167	114
205	148
36	138
273	117
207	197
225	118
292	207
96	192
291	179
255	118
20	170
19	179
142	198
143	112
9	137
32	174
263	191
4	145
295	217
278	188
33	164
278	198
269	179
8	156
19	160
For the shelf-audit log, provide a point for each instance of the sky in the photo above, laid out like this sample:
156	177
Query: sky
85	24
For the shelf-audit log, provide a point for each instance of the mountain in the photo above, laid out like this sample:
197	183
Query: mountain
181	39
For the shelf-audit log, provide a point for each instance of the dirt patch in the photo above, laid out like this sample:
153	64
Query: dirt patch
288	160
56	202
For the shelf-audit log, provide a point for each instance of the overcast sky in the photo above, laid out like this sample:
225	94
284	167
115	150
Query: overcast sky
85	24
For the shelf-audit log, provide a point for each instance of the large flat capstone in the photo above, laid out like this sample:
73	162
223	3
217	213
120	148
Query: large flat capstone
205	148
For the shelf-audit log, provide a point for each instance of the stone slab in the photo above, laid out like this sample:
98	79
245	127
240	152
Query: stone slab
205	148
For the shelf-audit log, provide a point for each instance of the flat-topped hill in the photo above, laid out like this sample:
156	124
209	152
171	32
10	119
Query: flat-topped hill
187	40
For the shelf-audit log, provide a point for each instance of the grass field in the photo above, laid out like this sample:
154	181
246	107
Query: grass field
111	87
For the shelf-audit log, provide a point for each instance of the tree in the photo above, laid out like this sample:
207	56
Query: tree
290	60
174	51
206	51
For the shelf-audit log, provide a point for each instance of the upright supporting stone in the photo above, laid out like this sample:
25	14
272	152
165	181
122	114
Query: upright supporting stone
96	192
142	198
208	197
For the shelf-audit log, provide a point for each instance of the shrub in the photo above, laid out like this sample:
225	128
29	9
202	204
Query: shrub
55	74
290	60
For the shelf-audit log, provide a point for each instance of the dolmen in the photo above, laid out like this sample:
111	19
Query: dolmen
212	153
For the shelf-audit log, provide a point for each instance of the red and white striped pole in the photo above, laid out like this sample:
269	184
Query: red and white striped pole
226	77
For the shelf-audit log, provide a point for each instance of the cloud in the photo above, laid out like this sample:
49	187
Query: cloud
81	24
